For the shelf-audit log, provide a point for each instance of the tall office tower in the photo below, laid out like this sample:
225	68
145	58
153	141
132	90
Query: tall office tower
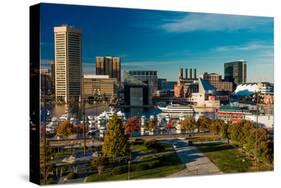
68	63
236	72
108	65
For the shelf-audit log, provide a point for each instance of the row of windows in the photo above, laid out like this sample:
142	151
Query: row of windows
152	73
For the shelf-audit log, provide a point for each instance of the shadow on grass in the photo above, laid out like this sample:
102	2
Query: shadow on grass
188	156
213	147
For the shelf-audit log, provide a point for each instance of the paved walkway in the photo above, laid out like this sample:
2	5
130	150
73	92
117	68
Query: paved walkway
196	163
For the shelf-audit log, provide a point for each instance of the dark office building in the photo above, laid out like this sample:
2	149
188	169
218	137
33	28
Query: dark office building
136	95
148	76
235	71
136	92
162	84
108	65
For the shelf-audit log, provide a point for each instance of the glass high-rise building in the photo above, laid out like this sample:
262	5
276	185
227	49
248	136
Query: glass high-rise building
108	65
236	71
149	76
68	63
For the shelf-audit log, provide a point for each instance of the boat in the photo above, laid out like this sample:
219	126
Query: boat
177	108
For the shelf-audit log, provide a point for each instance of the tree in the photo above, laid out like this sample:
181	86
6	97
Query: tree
216	125
132	125
115	141
225	131
188	124
155	146
151	124
204	123
259	144
46	157
170	125
65	129
254	140
100	162
240	131
79	129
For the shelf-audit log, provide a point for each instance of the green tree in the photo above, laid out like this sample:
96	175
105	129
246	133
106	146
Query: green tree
216	125
236	134
155	146
204	123
188	124
152	124
115	141
46	156
264	145
225	131
100	162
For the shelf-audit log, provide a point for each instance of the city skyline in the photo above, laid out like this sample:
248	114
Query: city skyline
165	40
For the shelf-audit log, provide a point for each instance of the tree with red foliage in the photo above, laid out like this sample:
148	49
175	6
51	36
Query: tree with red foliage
132	125
170	125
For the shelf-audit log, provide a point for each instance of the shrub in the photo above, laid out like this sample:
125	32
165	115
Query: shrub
119	170
71	176
138	141
100	163
153	164
155	145
142	166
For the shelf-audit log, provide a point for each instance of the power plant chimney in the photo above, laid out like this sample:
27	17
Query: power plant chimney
186	73
190	74
181	72
195	74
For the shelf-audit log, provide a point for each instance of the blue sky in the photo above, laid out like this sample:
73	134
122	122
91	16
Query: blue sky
164	40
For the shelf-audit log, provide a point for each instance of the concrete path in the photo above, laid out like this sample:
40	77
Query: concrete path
196	163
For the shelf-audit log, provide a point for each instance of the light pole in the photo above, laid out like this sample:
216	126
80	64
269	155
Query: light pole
84	125
257	126
129	163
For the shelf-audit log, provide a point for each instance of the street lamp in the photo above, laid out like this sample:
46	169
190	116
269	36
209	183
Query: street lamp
257	126
84	124
129	163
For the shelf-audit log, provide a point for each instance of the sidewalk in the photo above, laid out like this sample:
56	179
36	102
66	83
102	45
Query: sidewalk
196	163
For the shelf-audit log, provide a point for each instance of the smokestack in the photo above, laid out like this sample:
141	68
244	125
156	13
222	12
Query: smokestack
186	73
181	72
190	74
195	74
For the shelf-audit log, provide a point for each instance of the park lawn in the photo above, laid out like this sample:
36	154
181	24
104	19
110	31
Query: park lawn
227	158
143	148
139	147
170	164
144	174
205	138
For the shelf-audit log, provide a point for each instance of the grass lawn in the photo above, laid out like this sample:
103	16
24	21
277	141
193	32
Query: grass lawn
168	164
229	159
139	147
204	138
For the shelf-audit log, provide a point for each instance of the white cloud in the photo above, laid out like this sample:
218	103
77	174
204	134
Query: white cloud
246	47
214	22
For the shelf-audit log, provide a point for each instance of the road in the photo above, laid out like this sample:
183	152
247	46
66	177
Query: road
196	163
